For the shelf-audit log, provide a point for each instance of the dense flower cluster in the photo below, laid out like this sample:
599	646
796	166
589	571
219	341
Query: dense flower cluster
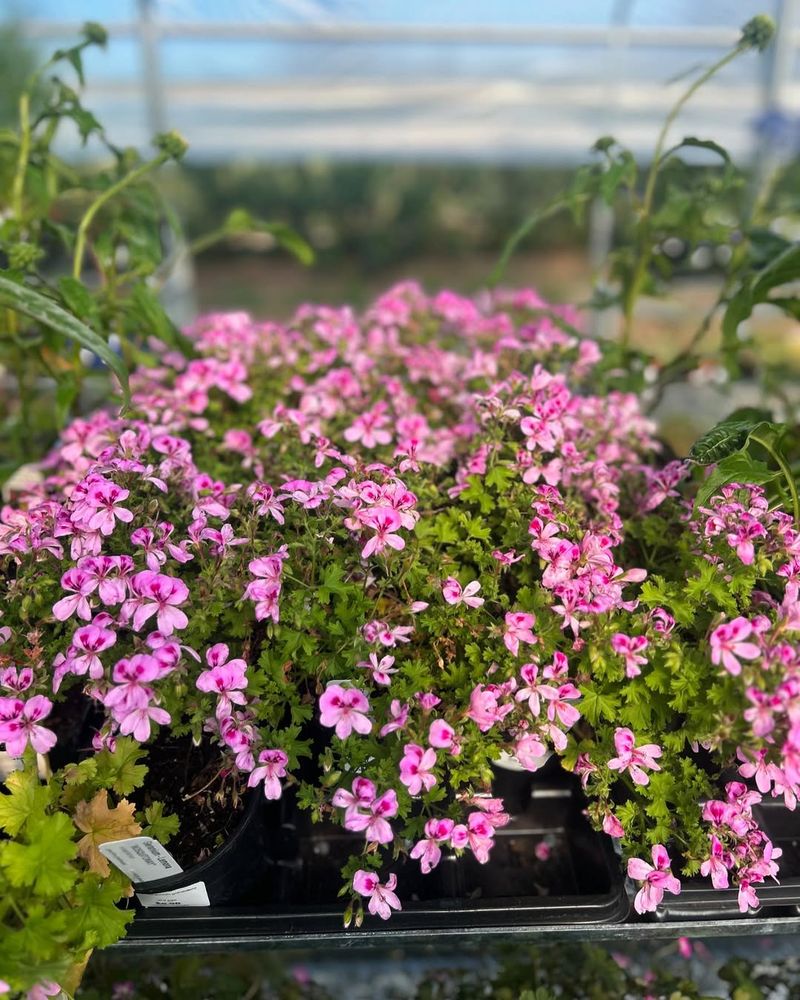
432	534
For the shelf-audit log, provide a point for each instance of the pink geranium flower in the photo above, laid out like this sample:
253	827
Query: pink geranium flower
657	878
81	584
518	629
273	768
632	758
485	708
428	851
441	734
226	678
729	645
416	768
23	727
381	669
106	498
345	709
373	818
384	521
630	647
399	713
161	595
454	594
382	898
137	721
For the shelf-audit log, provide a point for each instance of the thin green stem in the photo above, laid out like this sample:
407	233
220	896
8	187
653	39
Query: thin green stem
103	199
782	464
18	186
644	242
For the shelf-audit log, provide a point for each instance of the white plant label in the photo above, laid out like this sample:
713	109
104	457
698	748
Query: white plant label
189	895
142	859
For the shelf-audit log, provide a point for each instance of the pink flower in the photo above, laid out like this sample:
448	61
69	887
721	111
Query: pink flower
427	851
273	768
381	669
106	497
506	558
558	704
137	721
415	768
368	427
361	797
756	767
630	647
632	758
717	864
82	584
131	689
453	593
87	642
374	821
226	678
530	752
382	898
161	596
345	709
441	734
728	644
657	879
485	709
23	727
399	713
747	529
518	629
612	826
385	521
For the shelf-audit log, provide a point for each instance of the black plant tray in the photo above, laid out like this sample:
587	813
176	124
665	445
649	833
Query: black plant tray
580	882
699	900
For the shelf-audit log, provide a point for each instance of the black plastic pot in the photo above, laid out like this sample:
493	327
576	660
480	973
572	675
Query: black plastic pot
233	873
698	900
580	882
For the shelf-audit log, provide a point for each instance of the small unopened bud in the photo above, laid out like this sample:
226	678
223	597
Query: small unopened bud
758	32
95	33
347	919
22	256
172	143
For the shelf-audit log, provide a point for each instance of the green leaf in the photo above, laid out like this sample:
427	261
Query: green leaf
76	297
241	221
148	311
96	917
38	307
740	467
43	862
120	769
27	797
779	271
692	142
157	825
723	440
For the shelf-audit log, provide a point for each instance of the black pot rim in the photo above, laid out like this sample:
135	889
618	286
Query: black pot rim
198	872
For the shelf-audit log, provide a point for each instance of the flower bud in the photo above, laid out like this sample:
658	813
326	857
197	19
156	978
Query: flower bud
95	34
758	32
172	144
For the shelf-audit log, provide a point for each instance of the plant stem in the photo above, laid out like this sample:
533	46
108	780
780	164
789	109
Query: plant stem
106	196
18	186
780	461
645	252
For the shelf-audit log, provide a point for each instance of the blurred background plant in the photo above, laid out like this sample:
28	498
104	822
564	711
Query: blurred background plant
84	254
656	970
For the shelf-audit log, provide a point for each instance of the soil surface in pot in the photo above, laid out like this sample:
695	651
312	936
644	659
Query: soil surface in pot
193	783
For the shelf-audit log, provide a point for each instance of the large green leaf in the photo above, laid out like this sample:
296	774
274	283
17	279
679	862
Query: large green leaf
780	271
38	307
